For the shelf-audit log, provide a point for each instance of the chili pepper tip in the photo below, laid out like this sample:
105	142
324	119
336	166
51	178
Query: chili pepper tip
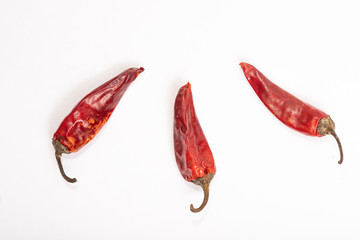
245	66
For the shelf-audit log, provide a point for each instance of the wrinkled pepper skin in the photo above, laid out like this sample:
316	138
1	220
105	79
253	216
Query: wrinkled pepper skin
286	107
192	152
193	155
293	112
92	112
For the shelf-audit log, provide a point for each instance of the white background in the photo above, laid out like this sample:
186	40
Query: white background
271	182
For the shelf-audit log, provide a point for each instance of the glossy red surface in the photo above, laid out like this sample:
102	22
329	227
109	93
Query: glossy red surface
93	111
193	155
287	108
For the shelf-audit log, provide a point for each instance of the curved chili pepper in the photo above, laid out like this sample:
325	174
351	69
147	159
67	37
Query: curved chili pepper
290	110
192	152
90	115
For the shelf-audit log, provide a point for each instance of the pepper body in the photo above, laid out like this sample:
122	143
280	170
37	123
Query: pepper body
192	152
193	155
293	112
91	113
286	107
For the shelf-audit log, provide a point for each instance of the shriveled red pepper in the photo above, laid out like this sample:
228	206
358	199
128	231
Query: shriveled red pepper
89	116
192	152
293	112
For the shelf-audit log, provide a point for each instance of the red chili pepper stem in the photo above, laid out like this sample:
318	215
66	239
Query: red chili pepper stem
204	183
327	126
59	150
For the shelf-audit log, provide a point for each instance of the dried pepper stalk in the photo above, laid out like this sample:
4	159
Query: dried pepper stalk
293	112
192	152
90	115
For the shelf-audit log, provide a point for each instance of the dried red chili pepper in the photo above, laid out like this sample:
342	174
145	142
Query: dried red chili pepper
192	152
90	115
290	110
